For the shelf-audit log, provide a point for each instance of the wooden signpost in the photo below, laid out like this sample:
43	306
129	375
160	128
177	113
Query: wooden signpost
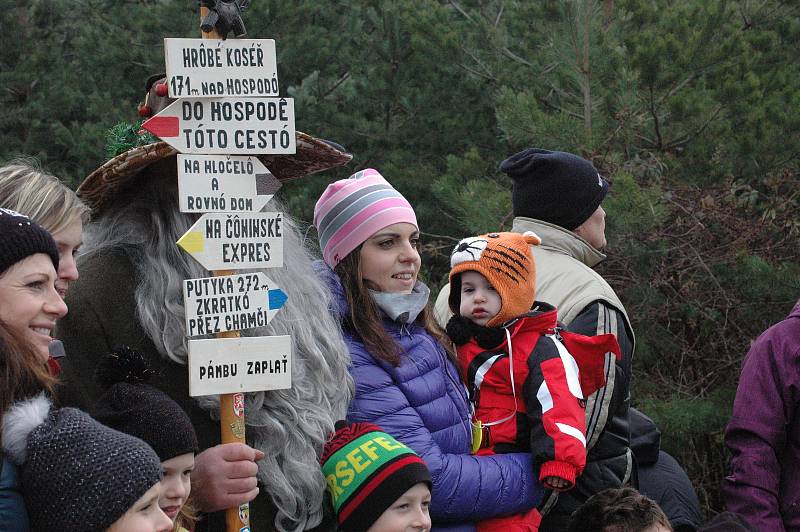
222	241
227	108
227	125
231	303
247	364
224	183
236	67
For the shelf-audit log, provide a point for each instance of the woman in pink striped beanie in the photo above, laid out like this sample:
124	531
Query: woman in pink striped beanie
351	210
404	374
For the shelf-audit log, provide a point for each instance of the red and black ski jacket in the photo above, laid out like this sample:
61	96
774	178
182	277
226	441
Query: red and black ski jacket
542	409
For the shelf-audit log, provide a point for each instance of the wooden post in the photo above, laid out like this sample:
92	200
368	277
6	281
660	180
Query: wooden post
213	34
231	405
231	426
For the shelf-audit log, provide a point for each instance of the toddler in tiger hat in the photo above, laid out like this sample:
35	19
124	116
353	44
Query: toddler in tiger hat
527	378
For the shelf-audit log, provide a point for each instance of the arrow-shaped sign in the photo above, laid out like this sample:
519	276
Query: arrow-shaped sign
255	126
236	241
230	303
224	183
230	365
210	68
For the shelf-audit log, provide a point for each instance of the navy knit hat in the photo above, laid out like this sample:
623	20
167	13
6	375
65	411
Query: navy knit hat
554	186
367	470
75	473
20	238
133	407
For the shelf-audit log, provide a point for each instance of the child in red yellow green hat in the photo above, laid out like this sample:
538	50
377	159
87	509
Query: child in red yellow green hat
377	484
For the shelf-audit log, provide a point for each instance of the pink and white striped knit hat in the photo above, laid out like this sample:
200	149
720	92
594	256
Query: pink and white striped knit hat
352	210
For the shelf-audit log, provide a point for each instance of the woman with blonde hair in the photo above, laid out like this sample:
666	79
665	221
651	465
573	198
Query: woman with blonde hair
29	190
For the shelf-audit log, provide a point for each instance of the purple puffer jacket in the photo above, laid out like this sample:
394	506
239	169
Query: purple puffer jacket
764	432
423	404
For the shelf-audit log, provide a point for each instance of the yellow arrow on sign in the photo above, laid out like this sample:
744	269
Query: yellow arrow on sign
192	242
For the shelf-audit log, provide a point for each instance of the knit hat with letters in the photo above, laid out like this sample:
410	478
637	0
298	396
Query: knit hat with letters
505	259
352	210
75	474
554	186
131	406
367	471
20	237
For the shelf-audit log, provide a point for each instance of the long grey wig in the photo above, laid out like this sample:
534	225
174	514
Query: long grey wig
290	426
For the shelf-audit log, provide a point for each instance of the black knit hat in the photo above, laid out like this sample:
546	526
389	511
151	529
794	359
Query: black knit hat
554	186
133	407
367	470
20	238
75	474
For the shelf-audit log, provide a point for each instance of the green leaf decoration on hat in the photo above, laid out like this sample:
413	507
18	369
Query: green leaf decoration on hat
125	136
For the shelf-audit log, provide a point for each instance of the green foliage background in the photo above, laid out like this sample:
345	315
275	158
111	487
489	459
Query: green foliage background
690	108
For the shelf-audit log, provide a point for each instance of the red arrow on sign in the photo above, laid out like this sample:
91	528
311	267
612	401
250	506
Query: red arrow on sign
163	126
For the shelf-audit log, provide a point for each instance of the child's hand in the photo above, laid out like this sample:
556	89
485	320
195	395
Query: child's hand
557	483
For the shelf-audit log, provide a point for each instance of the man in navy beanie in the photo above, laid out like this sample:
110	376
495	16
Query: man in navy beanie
557	195
559	188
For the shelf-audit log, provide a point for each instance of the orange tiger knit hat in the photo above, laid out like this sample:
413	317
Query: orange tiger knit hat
505	259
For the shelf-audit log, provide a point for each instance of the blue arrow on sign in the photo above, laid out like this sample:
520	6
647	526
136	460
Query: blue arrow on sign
277	298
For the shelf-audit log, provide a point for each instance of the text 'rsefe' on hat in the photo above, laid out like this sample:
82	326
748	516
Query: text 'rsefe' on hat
367	470
554	186
20	237
506	261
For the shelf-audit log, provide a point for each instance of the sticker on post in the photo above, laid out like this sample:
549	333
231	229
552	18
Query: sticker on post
230	303
244	514
212	68
224	183
238	126
248	364
236	241
238	404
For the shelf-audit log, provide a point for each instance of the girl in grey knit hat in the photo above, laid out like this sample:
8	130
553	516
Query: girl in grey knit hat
79	475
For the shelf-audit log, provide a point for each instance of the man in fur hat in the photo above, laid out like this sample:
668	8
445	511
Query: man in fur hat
130	294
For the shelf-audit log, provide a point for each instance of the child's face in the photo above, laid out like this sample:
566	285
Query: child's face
409	512
176	484
479	300
144	516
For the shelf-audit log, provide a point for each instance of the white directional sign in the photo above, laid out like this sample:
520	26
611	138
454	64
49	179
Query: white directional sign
224	183
200	68
230	365
236	241
230	303
255	126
